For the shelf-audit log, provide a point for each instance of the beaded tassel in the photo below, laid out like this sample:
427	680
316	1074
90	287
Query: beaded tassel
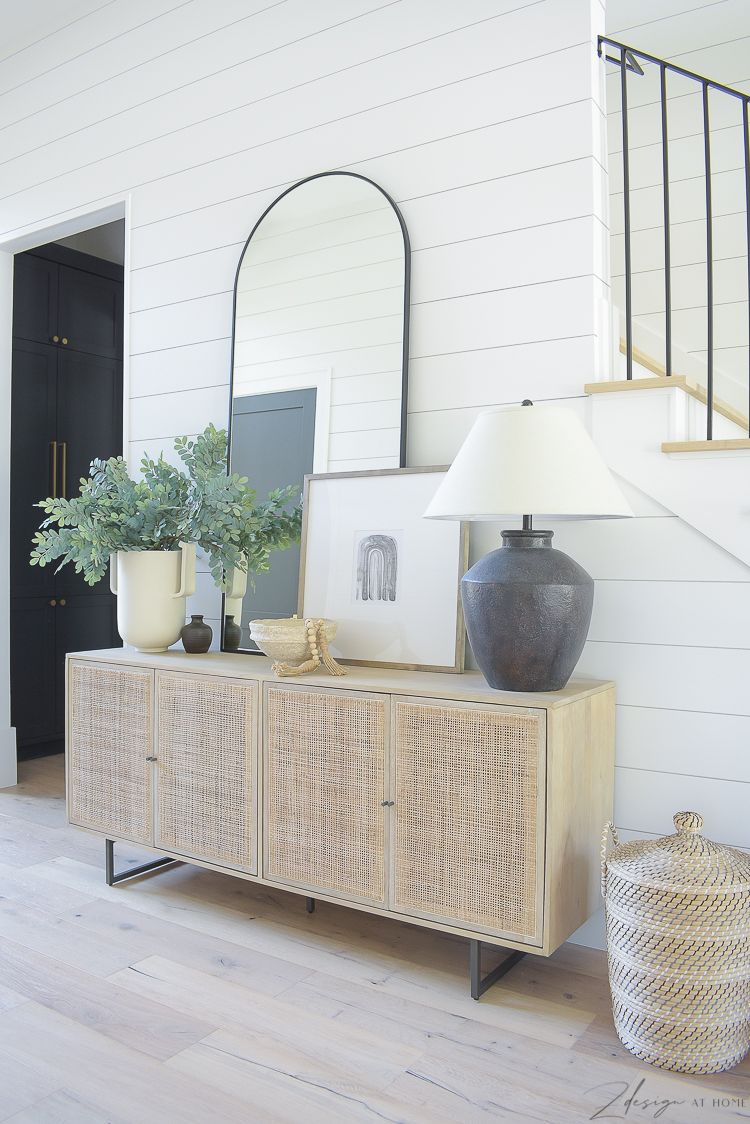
318	645
328	660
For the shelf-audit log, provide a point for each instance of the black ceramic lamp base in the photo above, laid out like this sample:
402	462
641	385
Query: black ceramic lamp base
527	609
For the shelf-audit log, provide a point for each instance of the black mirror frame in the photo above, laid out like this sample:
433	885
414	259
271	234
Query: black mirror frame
405	347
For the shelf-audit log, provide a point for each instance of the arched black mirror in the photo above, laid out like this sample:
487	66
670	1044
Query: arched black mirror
319	353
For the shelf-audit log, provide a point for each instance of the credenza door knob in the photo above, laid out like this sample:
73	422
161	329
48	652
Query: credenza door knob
386	804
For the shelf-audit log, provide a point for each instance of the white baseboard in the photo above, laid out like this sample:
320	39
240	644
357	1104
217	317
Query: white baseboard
8	773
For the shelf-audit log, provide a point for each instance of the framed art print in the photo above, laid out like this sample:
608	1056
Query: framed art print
388	576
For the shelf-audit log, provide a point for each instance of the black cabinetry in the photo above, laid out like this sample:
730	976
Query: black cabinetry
66	410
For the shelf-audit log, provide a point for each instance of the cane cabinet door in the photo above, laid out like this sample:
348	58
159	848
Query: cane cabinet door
110	749
468	817
325	790
206	787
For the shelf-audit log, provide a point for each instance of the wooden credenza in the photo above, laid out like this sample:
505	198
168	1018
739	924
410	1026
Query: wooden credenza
428	797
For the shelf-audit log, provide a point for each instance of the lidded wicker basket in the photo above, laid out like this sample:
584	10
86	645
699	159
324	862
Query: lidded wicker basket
678	947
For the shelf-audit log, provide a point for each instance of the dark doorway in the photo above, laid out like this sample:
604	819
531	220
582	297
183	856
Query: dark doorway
272	444
66	410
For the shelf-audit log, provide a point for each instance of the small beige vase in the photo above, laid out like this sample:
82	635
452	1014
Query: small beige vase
151	587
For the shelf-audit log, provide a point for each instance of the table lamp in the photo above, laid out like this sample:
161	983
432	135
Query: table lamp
527	606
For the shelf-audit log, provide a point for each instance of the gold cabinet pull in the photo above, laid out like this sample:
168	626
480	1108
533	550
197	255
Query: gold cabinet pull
53	468
62	600
63	469
64	340
55	339
53	602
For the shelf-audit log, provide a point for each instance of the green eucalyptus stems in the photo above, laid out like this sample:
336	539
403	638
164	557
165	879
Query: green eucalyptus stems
168	506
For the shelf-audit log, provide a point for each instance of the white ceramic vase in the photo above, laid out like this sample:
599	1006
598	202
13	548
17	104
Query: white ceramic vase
151	587
233	599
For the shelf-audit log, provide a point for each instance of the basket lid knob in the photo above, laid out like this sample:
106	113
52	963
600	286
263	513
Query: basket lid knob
688	822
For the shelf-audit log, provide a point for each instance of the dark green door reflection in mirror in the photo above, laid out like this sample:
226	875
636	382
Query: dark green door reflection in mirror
272	444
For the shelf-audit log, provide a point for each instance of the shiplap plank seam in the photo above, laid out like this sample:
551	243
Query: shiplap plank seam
415	252
684	710
672	644
402	200
414	304
690	776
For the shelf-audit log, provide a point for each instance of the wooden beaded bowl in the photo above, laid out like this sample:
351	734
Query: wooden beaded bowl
286	639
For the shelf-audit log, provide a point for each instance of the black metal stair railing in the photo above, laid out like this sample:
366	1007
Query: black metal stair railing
629	61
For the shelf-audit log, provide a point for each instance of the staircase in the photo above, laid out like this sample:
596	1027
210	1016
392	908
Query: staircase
730	425
640	431
679	163
673	418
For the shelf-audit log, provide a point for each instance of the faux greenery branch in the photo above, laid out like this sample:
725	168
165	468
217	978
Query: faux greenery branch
168	506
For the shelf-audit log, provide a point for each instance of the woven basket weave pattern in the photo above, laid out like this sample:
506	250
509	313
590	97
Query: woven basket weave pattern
325	772
109	741
205	796
678	947
685	1049
466	801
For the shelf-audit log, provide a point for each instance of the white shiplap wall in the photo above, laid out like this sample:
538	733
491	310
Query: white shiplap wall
484	122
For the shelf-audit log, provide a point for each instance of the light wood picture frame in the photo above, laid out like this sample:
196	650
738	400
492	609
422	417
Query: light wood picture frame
391	578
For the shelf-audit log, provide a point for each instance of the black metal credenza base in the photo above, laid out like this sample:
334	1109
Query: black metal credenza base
479	984
109	865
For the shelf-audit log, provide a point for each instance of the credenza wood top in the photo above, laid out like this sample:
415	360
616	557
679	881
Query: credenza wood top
471	686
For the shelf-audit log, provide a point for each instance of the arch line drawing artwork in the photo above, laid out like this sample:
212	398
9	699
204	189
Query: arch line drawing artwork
372	562
377	567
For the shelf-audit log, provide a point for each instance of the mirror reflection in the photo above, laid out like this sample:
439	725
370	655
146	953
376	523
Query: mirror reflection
320	349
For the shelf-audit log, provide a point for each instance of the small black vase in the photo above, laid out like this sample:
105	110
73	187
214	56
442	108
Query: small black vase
232	634
196	636
527	609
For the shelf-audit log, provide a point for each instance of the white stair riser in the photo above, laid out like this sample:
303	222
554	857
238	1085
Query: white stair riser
710	491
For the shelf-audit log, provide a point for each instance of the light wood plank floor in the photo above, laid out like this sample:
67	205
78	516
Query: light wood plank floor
199	998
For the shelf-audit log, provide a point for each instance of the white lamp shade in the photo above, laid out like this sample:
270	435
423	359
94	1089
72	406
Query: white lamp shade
528	460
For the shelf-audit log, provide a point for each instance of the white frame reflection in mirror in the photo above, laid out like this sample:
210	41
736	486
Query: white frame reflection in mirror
321	306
